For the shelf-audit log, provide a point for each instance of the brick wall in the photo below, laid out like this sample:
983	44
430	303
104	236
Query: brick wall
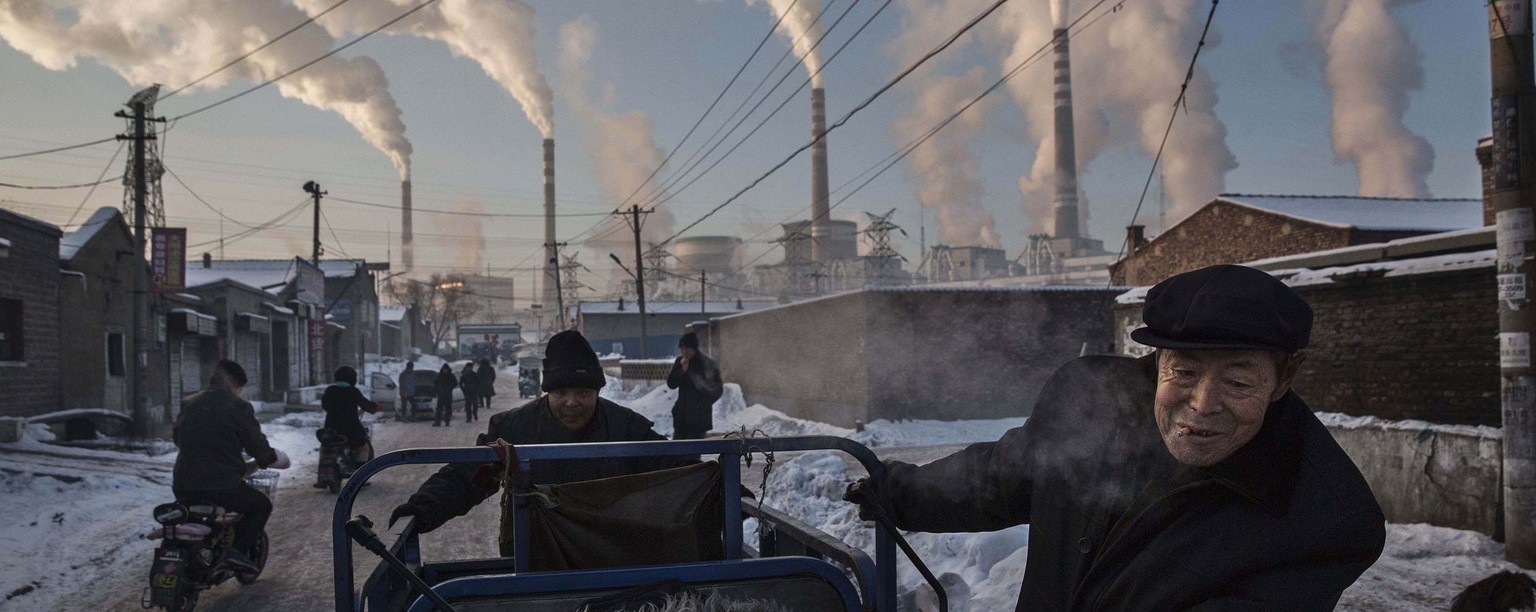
31	274
1421	346
1484	154
100	303
1222	232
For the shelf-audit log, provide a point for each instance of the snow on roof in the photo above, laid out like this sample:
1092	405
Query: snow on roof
1402	214
278	309
1303	277
189	311
1444	241
391	313
268	274
712	307
1344	421
251	315
71	243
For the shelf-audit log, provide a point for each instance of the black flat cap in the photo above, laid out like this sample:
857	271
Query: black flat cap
1224	307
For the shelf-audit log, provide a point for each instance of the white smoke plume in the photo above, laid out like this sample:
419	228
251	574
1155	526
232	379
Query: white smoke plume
497	34
799	22
1370	67
176	41
1126	71
943	166
461	238
622	145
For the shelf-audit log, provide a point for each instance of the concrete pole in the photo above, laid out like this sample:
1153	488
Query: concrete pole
140	282
640	284
1514	193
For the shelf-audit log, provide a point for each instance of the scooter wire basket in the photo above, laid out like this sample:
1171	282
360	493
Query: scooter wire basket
265	480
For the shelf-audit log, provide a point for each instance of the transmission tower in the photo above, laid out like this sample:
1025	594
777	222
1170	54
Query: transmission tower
568	280
154	203
882	256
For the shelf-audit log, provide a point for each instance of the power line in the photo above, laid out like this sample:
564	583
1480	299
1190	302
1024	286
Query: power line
74	186
467	214
307	64
328	227
282	218
844	120
1189	75
254	51
92	192
204	202
57	149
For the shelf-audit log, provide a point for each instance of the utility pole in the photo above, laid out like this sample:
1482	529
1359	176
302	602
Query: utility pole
1514	203
703	291
553	248
313	188
634	224
140	104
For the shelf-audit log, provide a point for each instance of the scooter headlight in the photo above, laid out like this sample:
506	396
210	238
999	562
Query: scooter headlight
170	514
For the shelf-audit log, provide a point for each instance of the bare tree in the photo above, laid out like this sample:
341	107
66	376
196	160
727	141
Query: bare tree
442	299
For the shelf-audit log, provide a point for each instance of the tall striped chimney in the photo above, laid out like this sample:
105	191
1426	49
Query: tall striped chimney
1065	204
548	282
407	250
820	211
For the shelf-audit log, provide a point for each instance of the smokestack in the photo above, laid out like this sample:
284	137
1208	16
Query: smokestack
1065	205
549	279
407	250
819	193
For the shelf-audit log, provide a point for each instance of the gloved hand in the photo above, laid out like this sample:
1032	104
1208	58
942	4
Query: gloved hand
282	462
425	520
862	492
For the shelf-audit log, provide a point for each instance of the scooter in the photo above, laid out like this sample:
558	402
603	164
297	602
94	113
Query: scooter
195	539
336	459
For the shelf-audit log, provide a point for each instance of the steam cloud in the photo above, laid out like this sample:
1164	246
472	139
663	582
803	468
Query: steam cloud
798	21
622	146
176	41
466	247
497	34
1370	67
1125	74
943	167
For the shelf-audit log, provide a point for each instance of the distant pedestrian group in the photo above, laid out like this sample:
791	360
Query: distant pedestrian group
477	385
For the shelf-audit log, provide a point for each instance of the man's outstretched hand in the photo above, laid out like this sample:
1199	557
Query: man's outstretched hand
422	514
862	492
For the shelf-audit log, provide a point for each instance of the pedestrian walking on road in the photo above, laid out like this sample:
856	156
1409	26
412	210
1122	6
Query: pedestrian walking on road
470	382
407	387
444	384
697	379
487	381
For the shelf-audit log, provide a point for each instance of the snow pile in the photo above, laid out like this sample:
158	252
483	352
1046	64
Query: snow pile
40	432
883	433
731	413
1344	421
989	566
1423	568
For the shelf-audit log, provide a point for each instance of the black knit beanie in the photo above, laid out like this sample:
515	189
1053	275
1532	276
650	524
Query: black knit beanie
689	340
570	363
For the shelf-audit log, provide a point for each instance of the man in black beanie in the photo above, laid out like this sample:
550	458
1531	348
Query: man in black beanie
569	411
1192	478
697	379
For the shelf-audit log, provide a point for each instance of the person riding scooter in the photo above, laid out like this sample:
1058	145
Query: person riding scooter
214	426
341	402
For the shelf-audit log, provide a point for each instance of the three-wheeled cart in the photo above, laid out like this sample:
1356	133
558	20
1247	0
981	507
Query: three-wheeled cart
791	563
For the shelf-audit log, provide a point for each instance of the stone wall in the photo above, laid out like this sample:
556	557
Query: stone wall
804	359
1446	476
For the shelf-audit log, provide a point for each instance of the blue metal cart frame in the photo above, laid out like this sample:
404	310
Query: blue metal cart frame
877	579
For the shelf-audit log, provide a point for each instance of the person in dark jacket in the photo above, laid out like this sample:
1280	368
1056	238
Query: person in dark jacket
407	387
1192	478
342	401
469	381
569	411
444	384
697	379
487	384
211	431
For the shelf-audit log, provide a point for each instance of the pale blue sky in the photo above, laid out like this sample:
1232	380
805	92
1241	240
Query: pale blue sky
669	59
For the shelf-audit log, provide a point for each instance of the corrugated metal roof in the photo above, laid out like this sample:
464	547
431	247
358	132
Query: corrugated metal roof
1402	214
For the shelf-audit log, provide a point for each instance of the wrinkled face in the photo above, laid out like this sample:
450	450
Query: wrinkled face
687	353
573	408
1212	402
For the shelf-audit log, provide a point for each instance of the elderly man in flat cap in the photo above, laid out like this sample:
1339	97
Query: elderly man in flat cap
1192	478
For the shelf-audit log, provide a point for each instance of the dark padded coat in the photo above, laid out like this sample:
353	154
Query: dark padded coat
449	492
213	428
487	380
698	390
341	402
1286	523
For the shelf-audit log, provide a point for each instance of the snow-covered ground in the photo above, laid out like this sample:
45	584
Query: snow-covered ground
74	515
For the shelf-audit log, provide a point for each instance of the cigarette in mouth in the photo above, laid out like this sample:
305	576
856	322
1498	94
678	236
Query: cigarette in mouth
1181	432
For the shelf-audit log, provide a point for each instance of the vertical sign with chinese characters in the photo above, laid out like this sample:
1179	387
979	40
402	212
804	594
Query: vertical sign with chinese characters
168	259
